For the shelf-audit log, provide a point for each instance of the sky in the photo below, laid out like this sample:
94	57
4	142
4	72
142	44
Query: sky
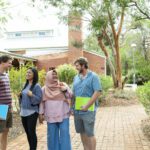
24	17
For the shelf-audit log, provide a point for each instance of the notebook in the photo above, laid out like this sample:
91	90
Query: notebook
81	101
3	112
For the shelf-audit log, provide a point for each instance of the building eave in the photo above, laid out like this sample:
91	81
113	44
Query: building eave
95	54
17	56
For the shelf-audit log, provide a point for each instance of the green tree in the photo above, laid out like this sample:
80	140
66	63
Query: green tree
66	73
141	9
144	96
3	13
106	19
139	33
91	44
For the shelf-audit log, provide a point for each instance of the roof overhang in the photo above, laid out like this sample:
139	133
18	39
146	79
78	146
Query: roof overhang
17	56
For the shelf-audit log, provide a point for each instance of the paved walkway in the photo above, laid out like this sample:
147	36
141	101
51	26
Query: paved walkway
117	128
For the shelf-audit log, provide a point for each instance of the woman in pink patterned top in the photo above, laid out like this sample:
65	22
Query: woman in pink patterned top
56	111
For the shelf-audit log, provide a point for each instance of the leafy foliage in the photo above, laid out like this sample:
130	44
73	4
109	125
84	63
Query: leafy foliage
141	9
144	96
18	79
143	68
66	73
3	13
42	74
105	21
106	82
91	44
139	35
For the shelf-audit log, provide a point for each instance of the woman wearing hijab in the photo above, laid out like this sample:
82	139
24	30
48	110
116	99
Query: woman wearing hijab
55	109
30	99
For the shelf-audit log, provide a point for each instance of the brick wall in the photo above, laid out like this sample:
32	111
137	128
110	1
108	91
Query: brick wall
96	62
51	60
75	38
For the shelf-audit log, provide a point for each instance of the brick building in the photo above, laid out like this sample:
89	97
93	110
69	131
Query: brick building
97	63
50	49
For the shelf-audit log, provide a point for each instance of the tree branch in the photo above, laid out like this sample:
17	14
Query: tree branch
121	22
140	10
112	25
130	5
112	69
140	18
86	19
109	41
100	42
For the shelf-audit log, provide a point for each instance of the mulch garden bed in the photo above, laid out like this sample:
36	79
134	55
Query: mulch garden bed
146	127
119	100
17	128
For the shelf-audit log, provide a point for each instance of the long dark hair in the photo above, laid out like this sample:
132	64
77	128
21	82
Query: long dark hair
35	78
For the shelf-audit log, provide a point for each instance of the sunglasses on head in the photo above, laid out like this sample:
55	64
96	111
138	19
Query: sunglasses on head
51	68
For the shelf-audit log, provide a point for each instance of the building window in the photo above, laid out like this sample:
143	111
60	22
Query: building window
17	34
41	33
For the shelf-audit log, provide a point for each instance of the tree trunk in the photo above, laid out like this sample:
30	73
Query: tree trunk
118	58
112	69
144	48
113	73
118	66
116	46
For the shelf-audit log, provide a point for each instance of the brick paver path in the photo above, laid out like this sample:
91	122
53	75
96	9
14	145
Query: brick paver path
117	128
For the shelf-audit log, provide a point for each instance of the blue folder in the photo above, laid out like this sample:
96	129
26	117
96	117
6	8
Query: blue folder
3	112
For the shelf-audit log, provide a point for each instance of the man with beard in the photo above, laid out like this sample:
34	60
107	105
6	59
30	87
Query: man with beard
86	85
5	99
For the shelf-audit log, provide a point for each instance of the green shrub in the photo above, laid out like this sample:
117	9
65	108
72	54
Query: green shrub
18	79
42	74
143	68
66	73
143	93
140	78
106	82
